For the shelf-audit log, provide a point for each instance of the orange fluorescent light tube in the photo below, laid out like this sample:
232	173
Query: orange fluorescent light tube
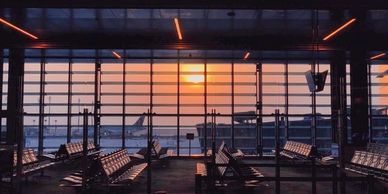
246	55
339	29
377	56
116	55
18	29
178	28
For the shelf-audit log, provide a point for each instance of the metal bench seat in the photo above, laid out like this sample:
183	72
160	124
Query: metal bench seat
369	163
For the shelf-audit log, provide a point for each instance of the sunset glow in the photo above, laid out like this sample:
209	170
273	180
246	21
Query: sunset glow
193	73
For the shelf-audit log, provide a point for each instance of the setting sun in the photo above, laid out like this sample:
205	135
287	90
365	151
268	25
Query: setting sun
193	73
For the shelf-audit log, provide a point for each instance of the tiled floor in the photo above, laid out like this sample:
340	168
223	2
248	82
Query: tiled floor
178	178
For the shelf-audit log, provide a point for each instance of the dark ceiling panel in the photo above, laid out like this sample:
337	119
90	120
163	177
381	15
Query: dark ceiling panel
201	4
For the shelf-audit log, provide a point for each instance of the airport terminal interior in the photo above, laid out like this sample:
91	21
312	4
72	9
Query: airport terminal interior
194	96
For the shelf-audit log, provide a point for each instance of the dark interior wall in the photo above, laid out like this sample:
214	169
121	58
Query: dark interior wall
359	80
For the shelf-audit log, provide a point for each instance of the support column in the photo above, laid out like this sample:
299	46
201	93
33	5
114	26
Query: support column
337	72
97	102
69	96
359	81
124	80
1	92
15	108
15	96
41	103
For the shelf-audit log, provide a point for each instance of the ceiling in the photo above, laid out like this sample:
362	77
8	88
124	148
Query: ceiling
270	33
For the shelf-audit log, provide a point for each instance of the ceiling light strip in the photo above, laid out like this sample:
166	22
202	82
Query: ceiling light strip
339	29
378	56
178	28
18	29
116	55
246	56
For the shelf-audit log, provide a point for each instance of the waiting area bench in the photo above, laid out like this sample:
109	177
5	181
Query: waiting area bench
229	171
237	153
73	150
30	163
114	169
297	151
377	148
157	152
370	163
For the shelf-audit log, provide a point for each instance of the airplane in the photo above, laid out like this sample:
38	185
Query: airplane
130	130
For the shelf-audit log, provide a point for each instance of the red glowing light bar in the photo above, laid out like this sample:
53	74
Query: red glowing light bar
377	56
178	28
116	55
339	29
18	29
246	55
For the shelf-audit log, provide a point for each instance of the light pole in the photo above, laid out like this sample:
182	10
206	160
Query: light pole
49	117
55	132
33	125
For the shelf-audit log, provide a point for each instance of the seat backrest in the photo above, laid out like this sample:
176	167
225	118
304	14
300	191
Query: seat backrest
384	166
367	157
381	162
222	146
302	149
157	147
356	157
28	157
233	161
287	146
222	159
114	162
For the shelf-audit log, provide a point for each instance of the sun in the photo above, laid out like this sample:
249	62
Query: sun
195	78
194	73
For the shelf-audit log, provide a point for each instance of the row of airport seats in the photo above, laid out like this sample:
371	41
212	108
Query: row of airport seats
226	165
74	150
377	148
157	152
298	150
30	163
372	162
113	169
119	169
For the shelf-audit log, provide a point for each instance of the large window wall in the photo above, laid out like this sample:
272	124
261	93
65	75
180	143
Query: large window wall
181	92
378	102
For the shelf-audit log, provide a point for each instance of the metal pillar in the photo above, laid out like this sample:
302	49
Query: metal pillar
232	87
14	133
338	102
259	109
370	110
123	123
178	102
1	92
205	107
149	150
287	123
42	93
84	147
277	150
69	96
97	102
359	81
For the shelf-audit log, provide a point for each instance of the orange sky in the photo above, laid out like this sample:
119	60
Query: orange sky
191	80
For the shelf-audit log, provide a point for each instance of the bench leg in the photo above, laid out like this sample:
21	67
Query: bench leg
198	184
